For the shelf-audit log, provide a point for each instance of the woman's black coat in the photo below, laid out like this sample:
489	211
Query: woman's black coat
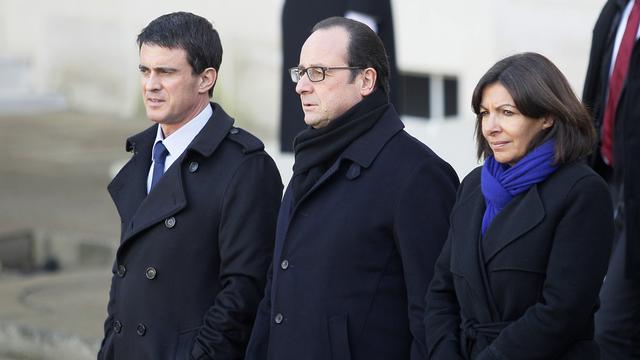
529	288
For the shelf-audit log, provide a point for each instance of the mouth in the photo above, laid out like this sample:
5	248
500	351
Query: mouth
307	104
497	145
154	101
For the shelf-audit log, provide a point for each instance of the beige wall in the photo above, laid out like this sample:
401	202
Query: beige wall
465	38
86	50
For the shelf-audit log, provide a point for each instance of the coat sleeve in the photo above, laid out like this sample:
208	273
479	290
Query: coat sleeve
421	224
577	264
246	238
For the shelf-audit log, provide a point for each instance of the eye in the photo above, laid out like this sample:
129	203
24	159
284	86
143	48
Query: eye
508	112
483	113
315	73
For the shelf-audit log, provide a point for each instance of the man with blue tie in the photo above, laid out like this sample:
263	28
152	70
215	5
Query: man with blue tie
612	93
198	203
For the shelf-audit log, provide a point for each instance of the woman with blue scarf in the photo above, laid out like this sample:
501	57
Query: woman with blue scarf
531	230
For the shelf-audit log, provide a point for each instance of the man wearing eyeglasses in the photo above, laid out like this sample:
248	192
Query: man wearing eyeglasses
362	220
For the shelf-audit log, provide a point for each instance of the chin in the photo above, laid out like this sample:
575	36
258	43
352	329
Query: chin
155	116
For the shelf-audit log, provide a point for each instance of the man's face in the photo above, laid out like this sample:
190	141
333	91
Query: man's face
171	93
324	101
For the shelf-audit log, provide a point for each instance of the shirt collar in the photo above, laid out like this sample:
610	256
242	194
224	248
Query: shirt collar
177	142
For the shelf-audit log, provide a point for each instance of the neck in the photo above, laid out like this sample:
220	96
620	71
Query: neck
170	128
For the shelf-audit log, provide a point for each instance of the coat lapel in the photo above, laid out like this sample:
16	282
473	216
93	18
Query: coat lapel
128	189
466	220
164	200
138	210
363	151
519	216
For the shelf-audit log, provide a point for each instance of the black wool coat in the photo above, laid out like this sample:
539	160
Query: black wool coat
354	257
627	129
193	255
529	288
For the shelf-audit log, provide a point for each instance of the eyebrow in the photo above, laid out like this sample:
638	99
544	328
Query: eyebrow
159	68
500	106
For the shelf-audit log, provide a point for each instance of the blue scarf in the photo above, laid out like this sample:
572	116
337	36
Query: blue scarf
501	183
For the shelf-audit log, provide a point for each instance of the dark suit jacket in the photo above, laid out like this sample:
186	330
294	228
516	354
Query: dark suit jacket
193	255
298	18
353	259
529	288
627	129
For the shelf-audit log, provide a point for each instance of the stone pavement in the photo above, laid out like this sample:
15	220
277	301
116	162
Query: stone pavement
54	170
53	174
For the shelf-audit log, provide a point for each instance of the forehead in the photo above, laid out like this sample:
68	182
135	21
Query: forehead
496	94
155	55
326	47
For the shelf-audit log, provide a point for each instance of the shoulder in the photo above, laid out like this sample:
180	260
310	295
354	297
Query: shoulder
577	174
470	183
574	184
416	154
247	142
240	138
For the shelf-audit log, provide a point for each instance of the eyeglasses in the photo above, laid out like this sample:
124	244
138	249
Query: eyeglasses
316	73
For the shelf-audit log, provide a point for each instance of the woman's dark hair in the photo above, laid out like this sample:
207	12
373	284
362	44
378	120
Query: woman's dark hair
365	48
192	33
539	89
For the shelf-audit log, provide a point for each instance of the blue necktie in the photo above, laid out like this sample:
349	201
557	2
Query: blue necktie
160	153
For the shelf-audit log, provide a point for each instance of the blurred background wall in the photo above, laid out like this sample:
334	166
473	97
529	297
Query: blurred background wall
85	52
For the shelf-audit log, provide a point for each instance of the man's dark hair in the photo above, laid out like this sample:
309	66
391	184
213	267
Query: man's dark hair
365	48
539	89
192	33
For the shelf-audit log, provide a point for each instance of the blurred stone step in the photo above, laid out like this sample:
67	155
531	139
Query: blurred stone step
28	250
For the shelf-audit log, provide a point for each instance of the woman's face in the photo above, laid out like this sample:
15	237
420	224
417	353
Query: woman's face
507	131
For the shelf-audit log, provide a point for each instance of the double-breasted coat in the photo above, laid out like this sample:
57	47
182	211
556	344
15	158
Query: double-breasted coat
627	122
354	256
529	288
193	255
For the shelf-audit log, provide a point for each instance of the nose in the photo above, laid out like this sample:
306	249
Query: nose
490	124
304	85
152	82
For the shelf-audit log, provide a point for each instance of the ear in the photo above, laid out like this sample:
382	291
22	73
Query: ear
369	77
547	122
208	79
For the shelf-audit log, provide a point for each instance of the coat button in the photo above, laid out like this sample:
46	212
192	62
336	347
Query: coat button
233	131
170	222
284	264
151	273
121	270
117	327
193	166
278	319
141	329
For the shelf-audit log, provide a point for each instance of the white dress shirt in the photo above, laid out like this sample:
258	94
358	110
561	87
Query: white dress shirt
177	142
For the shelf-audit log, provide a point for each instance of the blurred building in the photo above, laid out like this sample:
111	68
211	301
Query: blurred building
85	51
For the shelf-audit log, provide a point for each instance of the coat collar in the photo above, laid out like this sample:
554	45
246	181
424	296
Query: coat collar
204	143
363	150
466	220
128	189
367	147
522	214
